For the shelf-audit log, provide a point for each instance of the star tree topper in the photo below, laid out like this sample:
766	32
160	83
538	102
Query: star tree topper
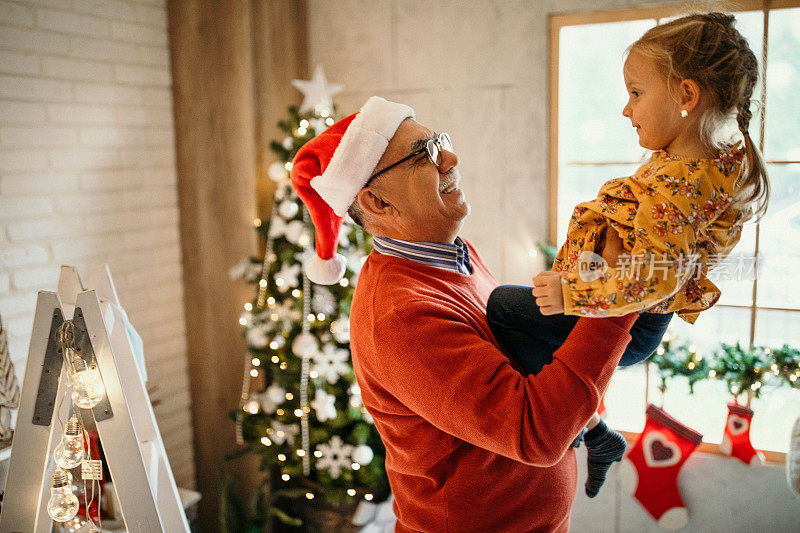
317	93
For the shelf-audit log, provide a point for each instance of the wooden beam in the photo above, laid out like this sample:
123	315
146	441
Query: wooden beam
212	74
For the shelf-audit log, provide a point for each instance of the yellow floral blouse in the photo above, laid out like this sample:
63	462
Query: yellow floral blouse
676	219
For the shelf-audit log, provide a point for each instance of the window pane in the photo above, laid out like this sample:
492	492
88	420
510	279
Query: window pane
782	138
779	240
579	183
592	92
776	328
735	275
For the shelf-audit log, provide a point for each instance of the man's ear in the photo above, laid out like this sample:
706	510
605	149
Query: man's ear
690	94
373	204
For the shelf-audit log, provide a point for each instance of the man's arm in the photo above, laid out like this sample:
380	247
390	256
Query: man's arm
441	369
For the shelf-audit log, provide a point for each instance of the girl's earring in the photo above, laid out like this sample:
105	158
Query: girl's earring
684	113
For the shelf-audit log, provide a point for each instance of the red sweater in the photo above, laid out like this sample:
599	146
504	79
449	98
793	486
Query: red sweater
471	444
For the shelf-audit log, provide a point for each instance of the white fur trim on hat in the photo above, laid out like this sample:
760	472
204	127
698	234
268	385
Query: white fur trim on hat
325	271
359	151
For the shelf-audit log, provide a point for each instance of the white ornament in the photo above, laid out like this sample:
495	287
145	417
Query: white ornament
245	269
246	319
324	405
276	393
285	313
317	92
284	432
323	301
257	337
287	143
294	231
363	455
355	395
286	277
341	329
277	227
318	124
355	260
331	363
305	345
336	455
277	172
287	209
367	417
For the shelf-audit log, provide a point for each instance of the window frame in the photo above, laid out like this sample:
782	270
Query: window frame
560	20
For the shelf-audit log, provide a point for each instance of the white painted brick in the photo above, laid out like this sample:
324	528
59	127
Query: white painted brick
158	97
158	3
39	278
112	180
159	137
145	157
66	22
52	4
37	184
156	56
81	114
159	177
107	94
22	160
33	40
39	136
150	198
22	113
24	207
112	136
137	33
45	229
111	9
117	221
84	203
149	238
71	69
16	15
141	116
159	77
19	303
5	281
82	247
23	255
21	325
152	16
82	159
14	63
34	89
103	49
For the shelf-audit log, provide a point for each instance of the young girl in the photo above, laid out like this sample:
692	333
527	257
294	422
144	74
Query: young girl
677	216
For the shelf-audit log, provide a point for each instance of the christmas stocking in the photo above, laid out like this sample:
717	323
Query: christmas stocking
736	441
650	470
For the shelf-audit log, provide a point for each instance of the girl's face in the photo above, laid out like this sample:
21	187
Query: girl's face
652	107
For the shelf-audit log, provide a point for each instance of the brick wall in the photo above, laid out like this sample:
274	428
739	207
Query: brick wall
87	175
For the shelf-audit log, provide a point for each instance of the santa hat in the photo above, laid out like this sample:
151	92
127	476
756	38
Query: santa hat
330	169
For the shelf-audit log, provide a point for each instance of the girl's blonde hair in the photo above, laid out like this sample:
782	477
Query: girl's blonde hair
707	48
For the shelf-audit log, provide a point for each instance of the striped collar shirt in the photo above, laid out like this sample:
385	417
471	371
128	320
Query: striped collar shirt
453	257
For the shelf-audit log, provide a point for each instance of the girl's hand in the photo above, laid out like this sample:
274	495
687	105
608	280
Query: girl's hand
548	293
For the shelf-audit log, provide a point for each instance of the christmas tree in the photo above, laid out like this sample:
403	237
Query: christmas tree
301	409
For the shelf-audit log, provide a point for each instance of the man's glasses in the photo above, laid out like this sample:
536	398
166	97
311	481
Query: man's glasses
434	148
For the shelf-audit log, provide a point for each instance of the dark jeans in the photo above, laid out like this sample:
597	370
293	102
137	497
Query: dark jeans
531	338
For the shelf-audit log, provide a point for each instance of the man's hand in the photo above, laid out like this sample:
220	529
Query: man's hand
548	293
612	248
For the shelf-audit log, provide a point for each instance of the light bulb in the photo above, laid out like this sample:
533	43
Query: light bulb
69	452
63	504
87	385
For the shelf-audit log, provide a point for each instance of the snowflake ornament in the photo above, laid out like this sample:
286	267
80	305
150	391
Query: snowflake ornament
324	405
305	345
257	337
286	277
323	301
288	209
336	455
331	363
341	329
318	124
285	314
245	269
317	92
284	432
277	171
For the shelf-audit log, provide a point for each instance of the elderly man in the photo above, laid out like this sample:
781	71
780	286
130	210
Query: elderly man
471	444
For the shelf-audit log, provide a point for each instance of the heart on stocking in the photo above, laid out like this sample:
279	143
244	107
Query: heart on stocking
737	425
659	451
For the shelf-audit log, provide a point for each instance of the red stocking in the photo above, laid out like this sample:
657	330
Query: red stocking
736	441
650	470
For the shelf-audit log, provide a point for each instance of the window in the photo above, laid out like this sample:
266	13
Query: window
591	143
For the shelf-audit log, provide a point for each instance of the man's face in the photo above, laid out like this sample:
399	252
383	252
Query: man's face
419	209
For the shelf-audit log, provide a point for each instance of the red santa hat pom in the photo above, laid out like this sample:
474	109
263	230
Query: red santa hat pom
330	169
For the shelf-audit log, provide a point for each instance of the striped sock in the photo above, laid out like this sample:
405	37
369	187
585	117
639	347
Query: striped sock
604	446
